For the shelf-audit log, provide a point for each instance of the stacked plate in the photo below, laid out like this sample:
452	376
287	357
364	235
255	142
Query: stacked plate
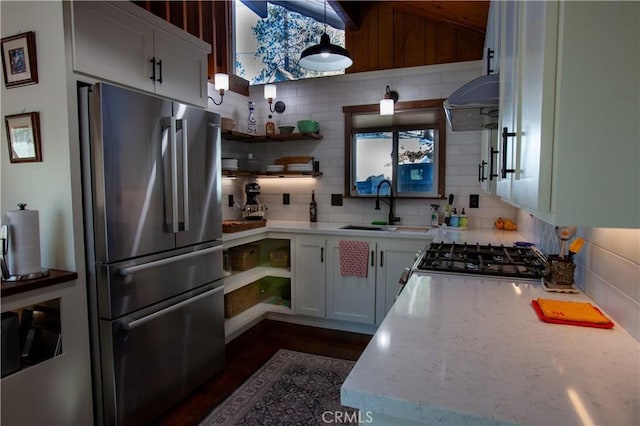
275	168
300	167
230	164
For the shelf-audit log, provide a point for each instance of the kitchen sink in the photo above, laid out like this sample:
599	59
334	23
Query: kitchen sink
385	228
369	228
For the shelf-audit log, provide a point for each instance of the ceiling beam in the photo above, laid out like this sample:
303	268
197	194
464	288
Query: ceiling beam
349	12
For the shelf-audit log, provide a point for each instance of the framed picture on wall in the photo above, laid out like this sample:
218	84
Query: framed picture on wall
23	137
19	61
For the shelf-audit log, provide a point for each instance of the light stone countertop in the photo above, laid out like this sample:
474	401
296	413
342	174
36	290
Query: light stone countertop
458	350
482	236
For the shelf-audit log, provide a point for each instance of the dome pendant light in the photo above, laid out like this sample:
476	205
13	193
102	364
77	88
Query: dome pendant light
325	56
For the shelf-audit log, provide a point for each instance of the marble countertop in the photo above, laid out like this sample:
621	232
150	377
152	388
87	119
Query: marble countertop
482	236
467	350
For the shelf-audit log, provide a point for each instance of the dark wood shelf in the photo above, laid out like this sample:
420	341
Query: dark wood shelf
55	276
243	173
231	135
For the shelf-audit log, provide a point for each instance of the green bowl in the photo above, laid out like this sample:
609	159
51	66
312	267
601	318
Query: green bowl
308	126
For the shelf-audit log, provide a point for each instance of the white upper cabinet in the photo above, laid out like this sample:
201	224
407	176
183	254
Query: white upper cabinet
508	95
492	39
183	70
123	43
533	142
570	105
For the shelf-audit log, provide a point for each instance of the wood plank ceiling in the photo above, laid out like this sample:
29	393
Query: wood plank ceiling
378	34
397	34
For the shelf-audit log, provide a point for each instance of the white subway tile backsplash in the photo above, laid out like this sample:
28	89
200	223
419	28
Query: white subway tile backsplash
322	100
626	242
619	272
608	267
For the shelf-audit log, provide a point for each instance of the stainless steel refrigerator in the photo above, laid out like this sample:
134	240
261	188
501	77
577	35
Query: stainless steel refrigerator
151	190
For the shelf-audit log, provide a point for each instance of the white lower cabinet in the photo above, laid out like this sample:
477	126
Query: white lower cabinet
393	257
351	298
309	276
323	292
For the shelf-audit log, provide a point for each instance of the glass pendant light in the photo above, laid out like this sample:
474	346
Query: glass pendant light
325	56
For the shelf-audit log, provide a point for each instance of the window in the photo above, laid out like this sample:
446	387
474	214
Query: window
407	148
267	48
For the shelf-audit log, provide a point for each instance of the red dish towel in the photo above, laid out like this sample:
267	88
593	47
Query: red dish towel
543	317
354	258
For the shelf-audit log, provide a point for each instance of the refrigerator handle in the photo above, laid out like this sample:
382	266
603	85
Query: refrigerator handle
149	265
185	174
170	123
136	323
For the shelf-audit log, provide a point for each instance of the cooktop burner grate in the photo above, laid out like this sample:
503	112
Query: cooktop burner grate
522	262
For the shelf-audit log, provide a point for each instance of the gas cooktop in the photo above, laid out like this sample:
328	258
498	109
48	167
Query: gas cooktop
521	262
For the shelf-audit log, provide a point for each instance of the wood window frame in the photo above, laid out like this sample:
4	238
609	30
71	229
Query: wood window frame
400	107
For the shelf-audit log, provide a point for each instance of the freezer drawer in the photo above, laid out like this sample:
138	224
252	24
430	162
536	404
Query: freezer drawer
126	287
152	360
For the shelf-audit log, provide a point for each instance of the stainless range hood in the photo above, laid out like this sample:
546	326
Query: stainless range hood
474	106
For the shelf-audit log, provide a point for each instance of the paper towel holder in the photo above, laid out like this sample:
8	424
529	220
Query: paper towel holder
4	246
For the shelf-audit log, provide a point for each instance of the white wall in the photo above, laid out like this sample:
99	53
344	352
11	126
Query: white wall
322	100
57	391
608	266
44	186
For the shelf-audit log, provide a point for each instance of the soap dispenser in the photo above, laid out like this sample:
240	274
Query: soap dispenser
434	215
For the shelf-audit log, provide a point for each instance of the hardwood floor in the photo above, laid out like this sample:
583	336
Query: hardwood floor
251	350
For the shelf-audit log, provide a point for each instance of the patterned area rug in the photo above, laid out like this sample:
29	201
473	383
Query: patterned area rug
292	388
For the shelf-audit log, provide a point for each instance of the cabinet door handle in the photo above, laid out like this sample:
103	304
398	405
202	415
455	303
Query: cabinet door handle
381	258
481	177
491	174
153	68
321	254
490	52
160	66
505	134
372	258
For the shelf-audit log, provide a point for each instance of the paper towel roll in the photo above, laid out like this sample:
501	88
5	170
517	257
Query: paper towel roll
24	241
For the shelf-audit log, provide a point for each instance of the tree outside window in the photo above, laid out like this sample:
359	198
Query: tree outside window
268	50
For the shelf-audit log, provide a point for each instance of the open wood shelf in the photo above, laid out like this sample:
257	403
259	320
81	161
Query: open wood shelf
232	135
242	173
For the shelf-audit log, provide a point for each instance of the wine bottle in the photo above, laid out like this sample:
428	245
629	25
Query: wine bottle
313	208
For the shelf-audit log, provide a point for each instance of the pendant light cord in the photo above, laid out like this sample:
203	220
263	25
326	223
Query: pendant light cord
325	16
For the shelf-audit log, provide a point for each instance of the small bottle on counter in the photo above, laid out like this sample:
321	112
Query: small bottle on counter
434	215
463	219
270	127
313	208
454	221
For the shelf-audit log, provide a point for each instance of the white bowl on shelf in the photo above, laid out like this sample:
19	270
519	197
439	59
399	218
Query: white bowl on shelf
274	168
300	167
230	163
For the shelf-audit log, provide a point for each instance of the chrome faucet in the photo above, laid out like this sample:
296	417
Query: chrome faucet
392	217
